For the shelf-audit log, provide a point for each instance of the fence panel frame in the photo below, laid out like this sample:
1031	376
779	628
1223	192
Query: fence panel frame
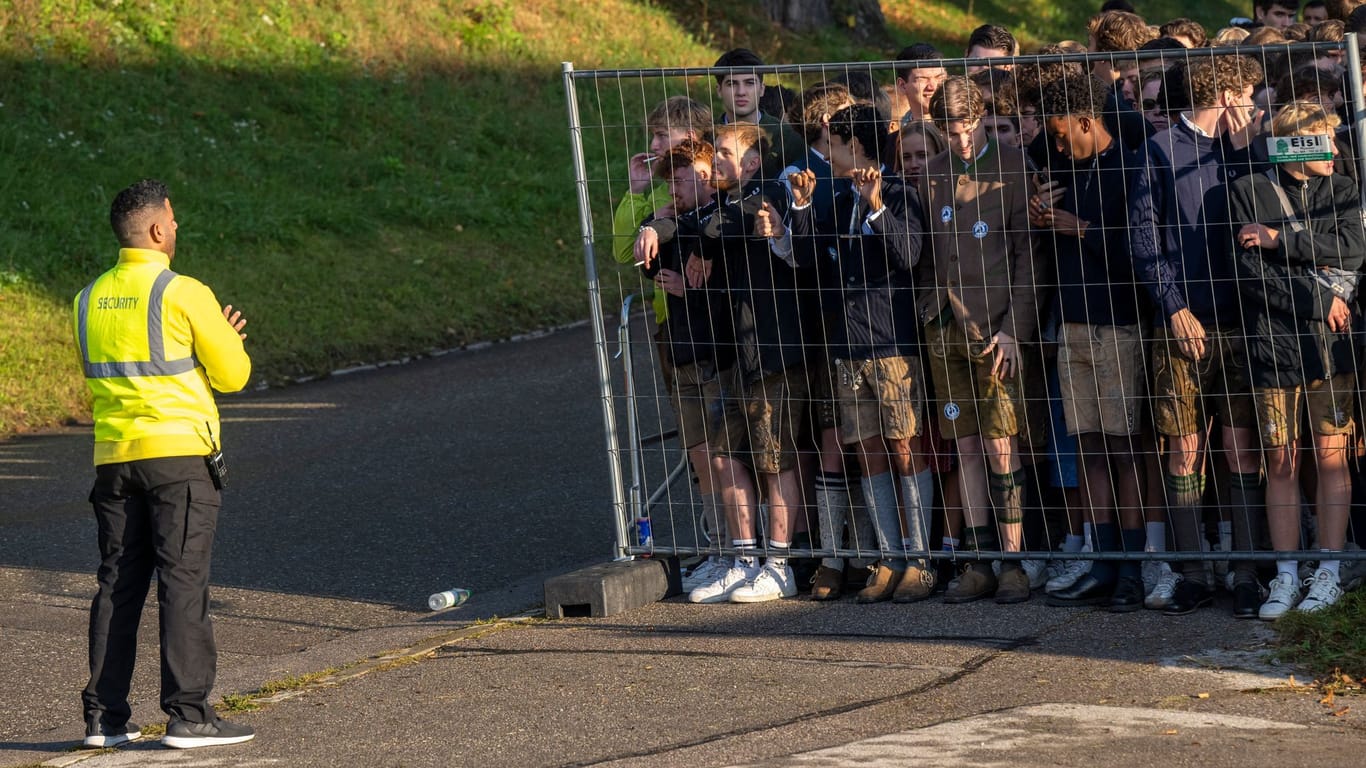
631	503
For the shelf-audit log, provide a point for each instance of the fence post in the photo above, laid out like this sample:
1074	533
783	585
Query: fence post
1358	107
609	418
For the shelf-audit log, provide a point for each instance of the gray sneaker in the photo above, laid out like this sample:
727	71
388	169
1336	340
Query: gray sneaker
1352	572
181	734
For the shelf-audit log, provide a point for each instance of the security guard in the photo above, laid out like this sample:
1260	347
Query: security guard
152	344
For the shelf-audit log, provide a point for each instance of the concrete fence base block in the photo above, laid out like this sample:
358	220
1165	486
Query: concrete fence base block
611	588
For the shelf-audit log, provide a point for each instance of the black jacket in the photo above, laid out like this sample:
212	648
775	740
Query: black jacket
869	267
1285	301
763	288
698	321
1096	284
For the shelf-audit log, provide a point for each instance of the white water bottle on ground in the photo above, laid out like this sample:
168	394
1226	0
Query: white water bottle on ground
448	599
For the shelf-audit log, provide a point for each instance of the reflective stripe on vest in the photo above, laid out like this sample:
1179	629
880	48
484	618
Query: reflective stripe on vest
156	364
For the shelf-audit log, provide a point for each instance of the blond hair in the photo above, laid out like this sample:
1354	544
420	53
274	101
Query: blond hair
748	136
1304	118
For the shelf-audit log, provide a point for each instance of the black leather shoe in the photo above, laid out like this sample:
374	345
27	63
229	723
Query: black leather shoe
1128	596
1247	600
1087	591
1190	596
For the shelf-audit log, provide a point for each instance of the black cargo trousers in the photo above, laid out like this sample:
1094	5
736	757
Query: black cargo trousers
153	515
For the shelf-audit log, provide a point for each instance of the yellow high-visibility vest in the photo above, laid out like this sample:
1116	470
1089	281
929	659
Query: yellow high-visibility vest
154	344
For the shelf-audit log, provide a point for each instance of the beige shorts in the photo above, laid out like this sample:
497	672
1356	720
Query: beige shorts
969	399
1184	390
699	403
1329	402
763	420
879	397
1100	370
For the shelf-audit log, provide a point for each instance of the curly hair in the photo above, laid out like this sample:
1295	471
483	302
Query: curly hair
1119	31
862	122
684	154
132	205
1209	77
1080	95
1030	77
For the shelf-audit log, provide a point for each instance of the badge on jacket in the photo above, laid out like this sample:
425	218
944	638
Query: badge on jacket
979	230
946	214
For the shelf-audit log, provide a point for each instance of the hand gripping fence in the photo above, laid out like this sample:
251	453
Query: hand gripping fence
659	507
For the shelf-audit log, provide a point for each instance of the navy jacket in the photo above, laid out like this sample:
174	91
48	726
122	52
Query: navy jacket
1095	272
817	295
1178	209
872	263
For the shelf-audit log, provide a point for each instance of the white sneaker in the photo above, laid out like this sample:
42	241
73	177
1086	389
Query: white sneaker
1164	589
771	583
720	589
1152	570
705	572
1285	595
1072	570
1323	591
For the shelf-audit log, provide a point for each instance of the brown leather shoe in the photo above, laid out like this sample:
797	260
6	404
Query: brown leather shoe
880	587
916	584
828	583
1014	584
973	583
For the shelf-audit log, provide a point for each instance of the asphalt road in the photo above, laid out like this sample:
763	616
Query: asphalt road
353	498
473	469
350	500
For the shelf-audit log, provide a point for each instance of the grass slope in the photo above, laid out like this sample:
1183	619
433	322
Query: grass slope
364	179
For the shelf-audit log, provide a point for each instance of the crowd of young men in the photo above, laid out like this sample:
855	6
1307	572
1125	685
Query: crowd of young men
1048	312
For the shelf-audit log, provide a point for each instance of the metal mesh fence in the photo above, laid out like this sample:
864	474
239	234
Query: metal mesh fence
1074	308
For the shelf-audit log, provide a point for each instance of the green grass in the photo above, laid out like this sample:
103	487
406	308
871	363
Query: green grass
1328	641
238	702
365	180
253	700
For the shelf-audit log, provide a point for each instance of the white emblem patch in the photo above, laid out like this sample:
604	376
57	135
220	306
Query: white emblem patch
946	214
979	230
951	411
